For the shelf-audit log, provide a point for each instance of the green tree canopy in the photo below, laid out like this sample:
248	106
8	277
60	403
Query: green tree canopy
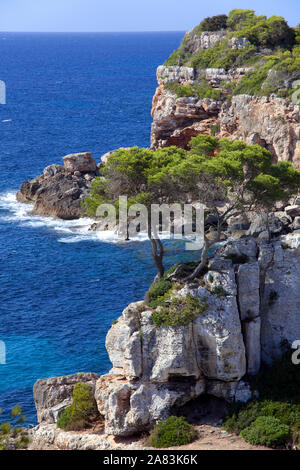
239	176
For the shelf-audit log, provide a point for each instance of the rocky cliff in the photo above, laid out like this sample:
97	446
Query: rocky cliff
272	122
251	290
252	301
193	99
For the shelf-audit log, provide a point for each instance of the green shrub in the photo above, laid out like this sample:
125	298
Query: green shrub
179	90
174	431
219	291
221	55
11	435
215	129
92	202
5	428
243	415
157	291
279	398
78	415
263	34
281	381
213	23
178	311
267	431
203	145
201	90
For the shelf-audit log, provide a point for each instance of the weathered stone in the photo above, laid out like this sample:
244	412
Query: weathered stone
271	122
238	223
56	193
172	116
49	437
243	392
252	330
293	211
238	43
52	170
296	223
82	162
251	309
194	42
53	395
218	337
123	343
280	296
260	223
175	74
129	408
248	284
244	247
83	441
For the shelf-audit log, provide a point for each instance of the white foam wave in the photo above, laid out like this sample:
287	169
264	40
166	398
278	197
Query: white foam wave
12	211
75	231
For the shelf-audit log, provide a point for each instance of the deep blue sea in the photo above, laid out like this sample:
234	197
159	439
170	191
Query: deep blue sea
60	286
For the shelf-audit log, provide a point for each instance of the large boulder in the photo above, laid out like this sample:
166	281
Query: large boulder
59	191
53	395
82	162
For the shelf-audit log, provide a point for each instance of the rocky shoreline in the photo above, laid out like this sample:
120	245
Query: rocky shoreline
60	190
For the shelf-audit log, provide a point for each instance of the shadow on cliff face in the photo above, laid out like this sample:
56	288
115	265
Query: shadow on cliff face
205	409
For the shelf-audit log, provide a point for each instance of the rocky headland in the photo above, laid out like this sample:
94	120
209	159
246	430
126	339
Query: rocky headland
251	288
60	190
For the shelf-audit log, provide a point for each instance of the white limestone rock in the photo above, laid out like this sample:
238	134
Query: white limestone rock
248	284
280	296
252	338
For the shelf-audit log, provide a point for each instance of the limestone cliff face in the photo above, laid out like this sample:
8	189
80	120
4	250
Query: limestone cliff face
156	370
271	122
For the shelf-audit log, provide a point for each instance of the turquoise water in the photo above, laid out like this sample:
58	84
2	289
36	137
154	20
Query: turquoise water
60	286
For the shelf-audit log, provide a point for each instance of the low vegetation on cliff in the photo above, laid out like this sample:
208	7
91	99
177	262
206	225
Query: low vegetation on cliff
82	411
268	46
12	435
176	311
274	418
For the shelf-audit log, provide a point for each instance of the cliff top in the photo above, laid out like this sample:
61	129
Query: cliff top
267	47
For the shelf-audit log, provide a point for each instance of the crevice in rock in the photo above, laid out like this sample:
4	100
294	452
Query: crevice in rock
206	409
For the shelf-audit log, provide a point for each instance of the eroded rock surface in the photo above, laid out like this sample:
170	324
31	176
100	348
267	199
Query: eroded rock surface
60	190
53	395
271	122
